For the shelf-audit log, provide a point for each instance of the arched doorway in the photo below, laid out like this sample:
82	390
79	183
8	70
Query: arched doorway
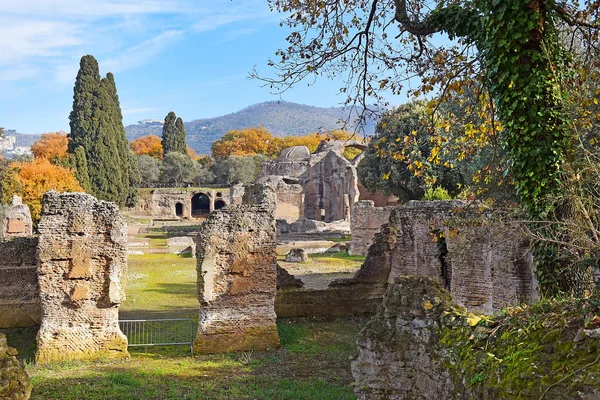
179	209
219	204
200	204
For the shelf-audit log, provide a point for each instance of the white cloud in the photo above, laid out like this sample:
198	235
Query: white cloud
141	54
18	74
91	8
25	38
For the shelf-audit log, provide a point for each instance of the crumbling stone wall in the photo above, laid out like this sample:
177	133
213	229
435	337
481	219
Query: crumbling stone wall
421	345
237	276
330	187
16	220
396	349
290	197
14	381
19	291
484	262
82	266
365	222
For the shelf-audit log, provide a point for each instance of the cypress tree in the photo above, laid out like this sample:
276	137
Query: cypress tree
168	133
180	144
81	169
97	127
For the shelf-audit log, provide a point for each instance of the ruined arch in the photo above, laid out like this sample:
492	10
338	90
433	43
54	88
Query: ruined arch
219	204
200	204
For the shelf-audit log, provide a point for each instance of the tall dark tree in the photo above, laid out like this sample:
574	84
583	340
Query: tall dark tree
173	135
180	144
168	133
97	128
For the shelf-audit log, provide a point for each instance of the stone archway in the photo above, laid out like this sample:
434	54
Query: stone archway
179	210
200	204
219	204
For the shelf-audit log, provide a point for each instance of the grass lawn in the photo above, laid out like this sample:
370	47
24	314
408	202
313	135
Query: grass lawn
160	286
313	363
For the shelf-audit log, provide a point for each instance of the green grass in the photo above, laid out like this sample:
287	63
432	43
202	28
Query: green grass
313	363
337	256
160	285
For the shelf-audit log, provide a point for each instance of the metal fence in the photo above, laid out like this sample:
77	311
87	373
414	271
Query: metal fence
159	332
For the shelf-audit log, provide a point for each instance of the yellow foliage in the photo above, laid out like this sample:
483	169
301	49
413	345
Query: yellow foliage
149	145
31	180
52	146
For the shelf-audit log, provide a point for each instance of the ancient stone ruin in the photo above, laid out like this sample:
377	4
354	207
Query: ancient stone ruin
314	190
14	381
422	345
396	350
19	291
16	220
484	262
365	222
82	265
236	264
180	203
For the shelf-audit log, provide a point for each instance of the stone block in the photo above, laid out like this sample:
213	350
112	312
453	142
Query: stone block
14	381
296	255
82	265
237	276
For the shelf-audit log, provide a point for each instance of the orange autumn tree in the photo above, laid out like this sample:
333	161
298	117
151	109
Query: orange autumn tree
149	145
51	146
246	142
31	180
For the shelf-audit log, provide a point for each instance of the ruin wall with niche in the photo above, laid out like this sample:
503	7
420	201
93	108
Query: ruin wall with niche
82	267
236	266
365	222
163	202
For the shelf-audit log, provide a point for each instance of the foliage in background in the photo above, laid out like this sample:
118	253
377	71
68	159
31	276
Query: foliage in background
51	146
402	158
97	126
178	169
150	170
150	145
173	134
237	169
31	180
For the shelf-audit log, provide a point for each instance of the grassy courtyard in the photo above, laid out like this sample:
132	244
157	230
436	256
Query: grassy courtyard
312	363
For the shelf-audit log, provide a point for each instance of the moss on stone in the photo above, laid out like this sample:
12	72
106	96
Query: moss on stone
526	352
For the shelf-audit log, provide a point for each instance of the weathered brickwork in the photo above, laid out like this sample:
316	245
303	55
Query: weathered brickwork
365	222
19	291
82	266
14	381
237	276
484	262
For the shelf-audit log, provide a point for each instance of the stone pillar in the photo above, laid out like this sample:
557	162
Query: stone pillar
237	276
16	221
82	265
14	381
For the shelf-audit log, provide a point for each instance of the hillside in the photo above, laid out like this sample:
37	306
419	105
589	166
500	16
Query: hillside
280	118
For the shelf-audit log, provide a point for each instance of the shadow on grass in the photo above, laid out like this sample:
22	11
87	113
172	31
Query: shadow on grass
175	288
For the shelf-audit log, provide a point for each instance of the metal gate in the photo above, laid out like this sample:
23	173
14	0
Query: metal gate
159	332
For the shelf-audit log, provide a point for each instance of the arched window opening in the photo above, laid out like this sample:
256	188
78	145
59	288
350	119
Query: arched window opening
200	204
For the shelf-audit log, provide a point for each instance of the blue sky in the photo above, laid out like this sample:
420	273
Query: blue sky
189	56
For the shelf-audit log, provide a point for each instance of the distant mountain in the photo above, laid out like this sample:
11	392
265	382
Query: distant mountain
280	117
